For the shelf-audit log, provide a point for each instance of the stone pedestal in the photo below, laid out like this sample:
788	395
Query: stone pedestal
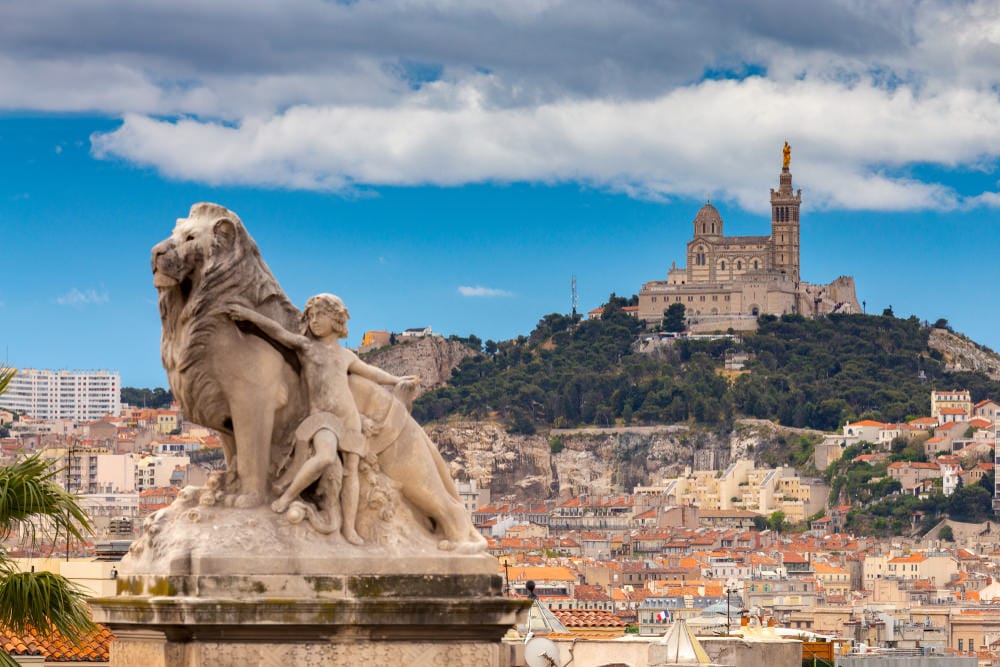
400	620
219	587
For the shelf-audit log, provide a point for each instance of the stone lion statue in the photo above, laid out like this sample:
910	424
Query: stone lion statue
225	378
232	377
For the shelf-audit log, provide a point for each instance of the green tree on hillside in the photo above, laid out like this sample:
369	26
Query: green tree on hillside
147	398
673	318
818	373
39	601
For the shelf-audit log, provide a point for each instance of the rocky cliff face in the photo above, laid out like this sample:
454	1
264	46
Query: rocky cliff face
566	462
431	357
961	354
563	463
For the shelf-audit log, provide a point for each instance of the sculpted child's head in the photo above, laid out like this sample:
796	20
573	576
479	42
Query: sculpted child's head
325	314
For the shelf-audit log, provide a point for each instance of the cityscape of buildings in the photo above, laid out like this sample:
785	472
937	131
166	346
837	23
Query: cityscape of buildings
702	546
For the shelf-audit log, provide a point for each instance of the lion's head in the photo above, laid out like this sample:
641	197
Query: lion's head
208	263
210	239
210	259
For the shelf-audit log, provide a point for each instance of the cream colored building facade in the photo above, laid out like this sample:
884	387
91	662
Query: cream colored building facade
742	486
955	399
730	280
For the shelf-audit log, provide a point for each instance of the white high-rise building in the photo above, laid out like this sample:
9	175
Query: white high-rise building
79	395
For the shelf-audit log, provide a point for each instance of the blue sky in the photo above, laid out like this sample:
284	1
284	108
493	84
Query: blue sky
454	165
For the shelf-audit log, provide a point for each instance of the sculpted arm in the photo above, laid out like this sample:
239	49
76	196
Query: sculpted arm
378	375
268	326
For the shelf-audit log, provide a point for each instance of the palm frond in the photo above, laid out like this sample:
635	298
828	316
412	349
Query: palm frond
43	601
6	375
28	493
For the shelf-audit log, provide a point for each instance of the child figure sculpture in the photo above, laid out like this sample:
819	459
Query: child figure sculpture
333	414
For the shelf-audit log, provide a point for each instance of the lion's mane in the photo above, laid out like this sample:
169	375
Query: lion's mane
221	274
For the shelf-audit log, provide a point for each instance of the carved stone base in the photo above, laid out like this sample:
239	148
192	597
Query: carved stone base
161	653
397	620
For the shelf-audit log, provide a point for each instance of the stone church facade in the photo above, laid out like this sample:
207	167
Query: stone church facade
730	280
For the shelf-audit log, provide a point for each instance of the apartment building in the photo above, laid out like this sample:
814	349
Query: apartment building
63	394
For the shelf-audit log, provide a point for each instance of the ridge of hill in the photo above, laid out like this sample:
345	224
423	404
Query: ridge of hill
963	354
432	358
801	373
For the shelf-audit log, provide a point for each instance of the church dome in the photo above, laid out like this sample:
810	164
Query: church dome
708	220
708	213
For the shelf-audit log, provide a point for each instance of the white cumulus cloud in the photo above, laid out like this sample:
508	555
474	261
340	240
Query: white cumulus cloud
78	297
695	102
713	138
481	291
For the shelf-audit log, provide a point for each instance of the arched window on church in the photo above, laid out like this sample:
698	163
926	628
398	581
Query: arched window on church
703	226
755	265
713	227
722	265
739	265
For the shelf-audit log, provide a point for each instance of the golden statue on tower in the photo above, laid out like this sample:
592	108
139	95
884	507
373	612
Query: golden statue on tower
786	153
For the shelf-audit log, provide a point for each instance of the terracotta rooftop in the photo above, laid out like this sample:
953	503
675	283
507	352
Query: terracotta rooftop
588	593
588	618
54	647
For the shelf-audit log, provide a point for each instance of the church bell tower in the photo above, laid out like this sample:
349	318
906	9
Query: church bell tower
785	222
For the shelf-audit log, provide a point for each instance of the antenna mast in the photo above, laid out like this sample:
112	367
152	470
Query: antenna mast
572	286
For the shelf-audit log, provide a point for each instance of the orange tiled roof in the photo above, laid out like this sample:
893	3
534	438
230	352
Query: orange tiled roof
588	618
912	558
54	647
544	573
585	592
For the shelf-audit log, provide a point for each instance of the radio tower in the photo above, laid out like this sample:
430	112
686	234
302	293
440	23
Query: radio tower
572	286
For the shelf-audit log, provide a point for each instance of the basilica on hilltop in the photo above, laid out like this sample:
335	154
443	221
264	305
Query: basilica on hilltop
730	280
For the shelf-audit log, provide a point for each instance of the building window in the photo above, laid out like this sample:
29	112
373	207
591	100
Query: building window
960	645
690	298
654	299
739	266
722	266
755	264
701	298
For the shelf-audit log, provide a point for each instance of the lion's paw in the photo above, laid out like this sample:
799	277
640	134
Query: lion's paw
246	501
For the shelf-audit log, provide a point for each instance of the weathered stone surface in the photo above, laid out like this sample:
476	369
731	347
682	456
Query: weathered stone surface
224	576
188	632
238	362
